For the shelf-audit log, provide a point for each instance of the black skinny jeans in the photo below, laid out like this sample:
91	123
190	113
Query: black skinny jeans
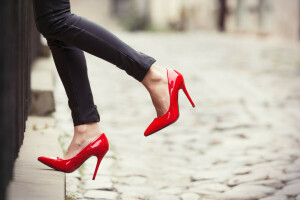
67	35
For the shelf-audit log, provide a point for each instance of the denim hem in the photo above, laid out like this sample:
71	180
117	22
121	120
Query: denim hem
93	117
147	64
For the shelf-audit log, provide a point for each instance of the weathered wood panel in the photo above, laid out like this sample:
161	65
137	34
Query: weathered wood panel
19	45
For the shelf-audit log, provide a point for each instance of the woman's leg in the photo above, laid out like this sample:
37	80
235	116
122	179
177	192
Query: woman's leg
54	20
71	66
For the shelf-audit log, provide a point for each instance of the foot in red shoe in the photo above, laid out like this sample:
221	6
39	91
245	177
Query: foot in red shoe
156	82
175	83
98	148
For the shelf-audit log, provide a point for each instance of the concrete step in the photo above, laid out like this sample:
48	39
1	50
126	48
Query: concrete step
33	180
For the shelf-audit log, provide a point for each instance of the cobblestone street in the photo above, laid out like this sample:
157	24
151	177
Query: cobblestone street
241	141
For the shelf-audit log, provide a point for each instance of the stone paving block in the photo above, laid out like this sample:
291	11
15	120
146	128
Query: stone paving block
293	181
276	197
247	192
271	183
255	176
101	183
290	190
172	190
210	187
164	197
134	180
132	196
142	189
290	176
221	175
101	195
189	196
294	168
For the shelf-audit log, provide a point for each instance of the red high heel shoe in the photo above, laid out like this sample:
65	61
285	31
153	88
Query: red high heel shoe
175	82
97	148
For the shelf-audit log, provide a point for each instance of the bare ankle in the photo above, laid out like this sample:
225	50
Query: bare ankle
154	75
86	128
81	128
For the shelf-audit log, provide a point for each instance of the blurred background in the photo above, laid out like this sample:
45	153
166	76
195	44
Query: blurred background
241	63
262	17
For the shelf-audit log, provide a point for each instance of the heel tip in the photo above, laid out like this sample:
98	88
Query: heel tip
194	106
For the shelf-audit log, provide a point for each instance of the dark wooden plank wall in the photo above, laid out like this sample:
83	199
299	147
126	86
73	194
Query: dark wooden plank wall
19	45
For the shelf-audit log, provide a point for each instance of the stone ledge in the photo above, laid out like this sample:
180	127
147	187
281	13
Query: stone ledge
31	179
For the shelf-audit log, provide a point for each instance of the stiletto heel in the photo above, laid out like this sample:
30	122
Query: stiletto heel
175	83
97	148
187	94
97	166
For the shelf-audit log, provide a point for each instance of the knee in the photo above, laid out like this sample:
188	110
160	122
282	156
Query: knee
44	27
51	27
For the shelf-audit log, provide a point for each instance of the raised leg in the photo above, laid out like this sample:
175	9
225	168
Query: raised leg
54	20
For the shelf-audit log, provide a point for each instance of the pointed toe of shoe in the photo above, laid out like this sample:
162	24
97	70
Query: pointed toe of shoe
152	128
43	159
147	132
160	123
97	148
175	83
46	160
52	162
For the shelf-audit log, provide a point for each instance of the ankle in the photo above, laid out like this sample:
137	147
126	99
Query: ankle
85	129
154	75
81	129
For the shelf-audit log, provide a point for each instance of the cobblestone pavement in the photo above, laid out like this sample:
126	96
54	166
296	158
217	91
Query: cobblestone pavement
242	140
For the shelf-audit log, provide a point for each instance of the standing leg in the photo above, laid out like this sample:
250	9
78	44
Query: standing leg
71	66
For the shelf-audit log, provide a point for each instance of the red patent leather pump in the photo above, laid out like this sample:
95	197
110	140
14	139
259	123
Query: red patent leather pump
97	148
175	82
